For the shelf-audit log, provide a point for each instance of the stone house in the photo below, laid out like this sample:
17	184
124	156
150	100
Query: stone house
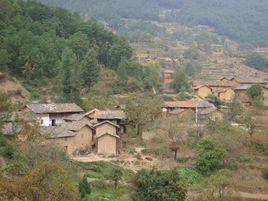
107	138
227	89
167	79
227	95
203	91
52	114
114	116
72	137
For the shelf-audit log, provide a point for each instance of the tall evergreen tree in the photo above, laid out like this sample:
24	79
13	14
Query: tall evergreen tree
90	69
68	84
181	83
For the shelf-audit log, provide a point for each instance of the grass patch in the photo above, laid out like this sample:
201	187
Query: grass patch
103	170
109	193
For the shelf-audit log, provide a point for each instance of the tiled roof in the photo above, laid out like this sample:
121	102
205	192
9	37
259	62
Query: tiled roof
54	108
102	134
57	132
243	87
105	122
77	125
211	84
180	104
111	114
74	117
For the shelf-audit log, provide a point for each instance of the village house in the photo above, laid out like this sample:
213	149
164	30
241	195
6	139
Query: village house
74	138
52	114
106	138
97	131
200	110
226	89
203	91
167	79
114	116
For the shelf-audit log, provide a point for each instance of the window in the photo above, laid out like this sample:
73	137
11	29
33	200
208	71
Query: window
53	122
41	121
65	139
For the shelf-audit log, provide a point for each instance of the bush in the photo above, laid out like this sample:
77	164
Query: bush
210	157
190	176
3	141
8	151
159	185
84	187
265	173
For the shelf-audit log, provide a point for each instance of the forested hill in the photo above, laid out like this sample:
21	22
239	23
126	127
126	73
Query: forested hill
242	20
51	48
33	37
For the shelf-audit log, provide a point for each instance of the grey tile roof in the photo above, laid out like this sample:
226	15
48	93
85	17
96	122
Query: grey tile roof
77	125
111	114
54	108
106	122
102	134
74	117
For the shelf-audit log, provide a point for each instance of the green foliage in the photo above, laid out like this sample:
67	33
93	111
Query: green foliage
210	156
5	104
104	170
214	13
181	83
265	173
34	39
120	51
255	92
8	151
189	176
69	82
142	109
90	69
159	185
84	187
220	181
257	61
219	15
215	100
116	176
137	77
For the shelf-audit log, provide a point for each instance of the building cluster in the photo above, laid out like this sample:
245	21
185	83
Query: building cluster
74	130
228	89
201	110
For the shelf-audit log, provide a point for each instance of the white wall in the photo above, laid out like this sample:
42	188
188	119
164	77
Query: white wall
44	120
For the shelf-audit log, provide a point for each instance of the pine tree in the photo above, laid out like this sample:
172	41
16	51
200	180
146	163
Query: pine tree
69	78
90	69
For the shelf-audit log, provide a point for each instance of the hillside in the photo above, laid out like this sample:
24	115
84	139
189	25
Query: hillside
208	39
56	54
219	15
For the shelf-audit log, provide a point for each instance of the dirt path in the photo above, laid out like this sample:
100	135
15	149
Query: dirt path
256	196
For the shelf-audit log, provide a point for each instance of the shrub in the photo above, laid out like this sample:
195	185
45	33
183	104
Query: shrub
159	185
116	175
190	176
9	151
265	173
84	187
3	141
210	157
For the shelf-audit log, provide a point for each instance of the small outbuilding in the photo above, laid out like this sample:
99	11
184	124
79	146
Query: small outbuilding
107	138
107	143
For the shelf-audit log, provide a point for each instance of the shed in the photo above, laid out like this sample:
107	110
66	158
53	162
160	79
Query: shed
107	143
